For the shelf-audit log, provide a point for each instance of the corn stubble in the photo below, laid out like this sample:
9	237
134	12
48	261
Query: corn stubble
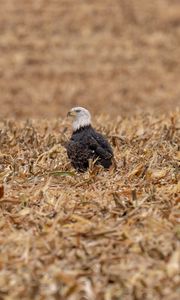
98	235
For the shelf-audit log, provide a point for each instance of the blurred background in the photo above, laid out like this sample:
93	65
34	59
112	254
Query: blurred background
112	56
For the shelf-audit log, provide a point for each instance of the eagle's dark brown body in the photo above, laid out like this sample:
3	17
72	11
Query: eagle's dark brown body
86	144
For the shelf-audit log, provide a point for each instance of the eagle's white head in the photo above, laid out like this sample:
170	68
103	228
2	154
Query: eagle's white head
82	117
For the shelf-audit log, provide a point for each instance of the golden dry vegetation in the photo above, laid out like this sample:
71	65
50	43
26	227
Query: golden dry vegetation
105	235
98	235
113	56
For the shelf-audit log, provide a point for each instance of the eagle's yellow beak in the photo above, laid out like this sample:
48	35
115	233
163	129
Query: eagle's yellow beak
71	114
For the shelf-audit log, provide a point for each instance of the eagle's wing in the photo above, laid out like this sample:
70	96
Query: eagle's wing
100	146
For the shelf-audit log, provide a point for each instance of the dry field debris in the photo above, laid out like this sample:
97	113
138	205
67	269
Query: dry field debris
107	55
98	235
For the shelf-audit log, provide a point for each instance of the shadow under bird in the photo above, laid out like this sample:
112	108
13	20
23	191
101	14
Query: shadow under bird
86	143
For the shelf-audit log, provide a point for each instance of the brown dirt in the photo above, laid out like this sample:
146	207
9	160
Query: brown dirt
111	56
99	235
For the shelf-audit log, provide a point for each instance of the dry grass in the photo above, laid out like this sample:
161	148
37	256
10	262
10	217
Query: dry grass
99	235
109	55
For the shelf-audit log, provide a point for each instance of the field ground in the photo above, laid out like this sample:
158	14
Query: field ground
115	56
98	235
105	235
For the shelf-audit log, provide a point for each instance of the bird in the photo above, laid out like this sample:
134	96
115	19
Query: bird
86	144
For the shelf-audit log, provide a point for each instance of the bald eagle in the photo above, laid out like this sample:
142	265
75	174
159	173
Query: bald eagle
86	143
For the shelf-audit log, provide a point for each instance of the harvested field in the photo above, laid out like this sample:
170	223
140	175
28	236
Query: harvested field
98	235
114	56
105	235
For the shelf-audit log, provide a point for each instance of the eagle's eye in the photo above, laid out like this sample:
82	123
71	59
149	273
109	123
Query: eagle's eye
78	110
